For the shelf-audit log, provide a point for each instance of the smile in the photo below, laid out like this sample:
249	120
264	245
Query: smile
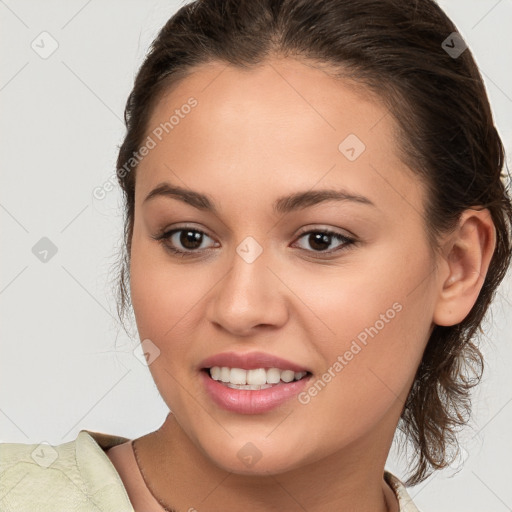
254	379
225	387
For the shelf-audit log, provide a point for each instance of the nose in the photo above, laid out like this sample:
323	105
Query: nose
249	298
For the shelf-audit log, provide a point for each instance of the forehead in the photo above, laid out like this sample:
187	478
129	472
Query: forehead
283	123
271	94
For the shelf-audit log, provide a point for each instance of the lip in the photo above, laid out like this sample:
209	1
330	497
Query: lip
245	401
250	361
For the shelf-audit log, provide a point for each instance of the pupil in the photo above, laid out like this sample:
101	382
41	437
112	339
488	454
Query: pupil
191	239
321	239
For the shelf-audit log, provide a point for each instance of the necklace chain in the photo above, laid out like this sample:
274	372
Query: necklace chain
170	509
163	505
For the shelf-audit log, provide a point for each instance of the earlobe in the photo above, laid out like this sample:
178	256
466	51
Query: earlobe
468	252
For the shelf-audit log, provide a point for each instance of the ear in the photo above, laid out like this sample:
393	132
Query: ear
463	266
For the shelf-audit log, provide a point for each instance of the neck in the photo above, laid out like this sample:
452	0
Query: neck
183	478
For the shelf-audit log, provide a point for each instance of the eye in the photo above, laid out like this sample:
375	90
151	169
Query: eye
183	241
187	241
320	240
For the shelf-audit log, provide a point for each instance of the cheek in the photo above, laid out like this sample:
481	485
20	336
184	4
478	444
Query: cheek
372	294
162	296
168	302
381	319
163	300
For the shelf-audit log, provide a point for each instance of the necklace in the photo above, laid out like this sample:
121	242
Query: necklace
165	507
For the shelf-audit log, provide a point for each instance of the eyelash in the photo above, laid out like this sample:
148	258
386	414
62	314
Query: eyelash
164	237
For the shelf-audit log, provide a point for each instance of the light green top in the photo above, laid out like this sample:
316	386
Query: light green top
78	476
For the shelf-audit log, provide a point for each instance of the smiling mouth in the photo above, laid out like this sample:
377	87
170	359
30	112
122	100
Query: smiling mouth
254	379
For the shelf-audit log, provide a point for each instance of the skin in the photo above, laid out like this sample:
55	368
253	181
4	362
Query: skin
254	136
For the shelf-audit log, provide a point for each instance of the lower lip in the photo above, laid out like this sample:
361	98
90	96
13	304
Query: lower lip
247	401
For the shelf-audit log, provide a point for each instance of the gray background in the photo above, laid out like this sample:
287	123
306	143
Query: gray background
65	362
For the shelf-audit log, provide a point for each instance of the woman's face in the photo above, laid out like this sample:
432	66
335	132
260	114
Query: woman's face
310	248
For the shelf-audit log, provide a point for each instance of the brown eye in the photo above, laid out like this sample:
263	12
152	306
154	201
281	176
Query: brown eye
321	240
184	241
190	239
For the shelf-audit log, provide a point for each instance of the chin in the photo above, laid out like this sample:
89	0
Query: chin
260	457
260	465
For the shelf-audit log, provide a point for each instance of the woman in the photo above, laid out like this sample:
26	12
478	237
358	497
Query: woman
315	227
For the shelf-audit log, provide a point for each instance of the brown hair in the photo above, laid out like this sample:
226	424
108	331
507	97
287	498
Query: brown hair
447	137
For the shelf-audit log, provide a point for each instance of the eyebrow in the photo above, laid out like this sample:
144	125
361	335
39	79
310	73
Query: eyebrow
284	204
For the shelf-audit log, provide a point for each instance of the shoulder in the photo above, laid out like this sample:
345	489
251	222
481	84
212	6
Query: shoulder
77	473
404	500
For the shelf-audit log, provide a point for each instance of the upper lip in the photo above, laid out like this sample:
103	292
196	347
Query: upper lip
250	361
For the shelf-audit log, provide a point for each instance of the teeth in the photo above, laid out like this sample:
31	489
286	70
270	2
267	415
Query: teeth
258	378
216	373
273	375
238	376
287	376
247	386
224	374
